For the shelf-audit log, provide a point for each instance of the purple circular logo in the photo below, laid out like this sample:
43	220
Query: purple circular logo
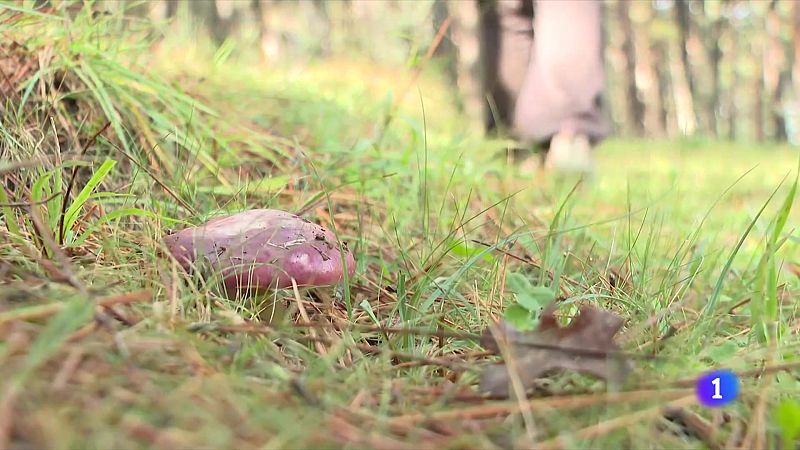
717	388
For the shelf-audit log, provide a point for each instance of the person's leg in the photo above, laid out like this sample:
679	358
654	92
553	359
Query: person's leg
561	96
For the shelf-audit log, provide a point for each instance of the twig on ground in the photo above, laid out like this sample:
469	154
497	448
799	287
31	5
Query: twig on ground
696	425
141	430
68	367
616	423
347	433
28	204
690	382
7	403
41	312
457	357
506	350
320	348
420	433
58	253
563	403
756	434
84	331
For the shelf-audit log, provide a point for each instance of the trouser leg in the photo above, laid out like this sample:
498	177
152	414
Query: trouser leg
564	82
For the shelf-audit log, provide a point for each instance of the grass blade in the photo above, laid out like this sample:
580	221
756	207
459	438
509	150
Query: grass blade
97	177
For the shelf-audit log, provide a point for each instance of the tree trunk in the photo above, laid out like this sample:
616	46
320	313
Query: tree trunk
506	38
774	63
659	52
446	51
683	21
440	14
634	105
218	16
714	58
733	62
465	34
172	8
647	67
778	119
758	103
608	97
796	45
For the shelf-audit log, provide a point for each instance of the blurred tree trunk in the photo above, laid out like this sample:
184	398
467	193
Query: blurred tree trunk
219	16
257	10
778	118
714	57
758	95
647	69
774	70
733	61
506	37
172	8
659	54
446	51
270	41
324	18
605	36
796	45
683	22
611	96
440	14
634	105
465	34
225	19
161	9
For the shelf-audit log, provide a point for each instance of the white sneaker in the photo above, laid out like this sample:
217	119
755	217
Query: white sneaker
570	153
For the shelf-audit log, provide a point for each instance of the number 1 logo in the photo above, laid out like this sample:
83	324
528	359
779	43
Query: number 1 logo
717	388
717	395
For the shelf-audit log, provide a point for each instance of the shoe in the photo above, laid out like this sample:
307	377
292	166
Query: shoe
570	152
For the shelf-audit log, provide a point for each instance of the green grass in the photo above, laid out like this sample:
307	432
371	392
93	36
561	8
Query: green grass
693	243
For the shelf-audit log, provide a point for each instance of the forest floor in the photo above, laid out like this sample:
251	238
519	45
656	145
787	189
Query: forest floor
108	143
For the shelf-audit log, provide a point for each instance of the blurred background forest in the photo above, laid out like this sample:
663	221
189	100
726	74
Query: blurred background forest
727	69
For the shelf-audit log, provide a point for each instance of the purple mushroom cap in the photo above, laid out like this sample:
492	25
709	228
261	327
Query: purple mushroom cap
263	248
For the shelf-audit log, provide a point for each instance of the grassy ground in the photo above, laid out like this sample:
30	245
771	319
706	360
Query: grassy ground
108	142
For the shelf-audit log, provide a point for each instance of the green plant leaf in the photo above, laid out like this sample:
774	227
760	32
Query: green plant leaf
365	305
76	312
785	210
37	190
8	213
787	415
462	249
723	352
533	298
519	317
97	177
711	304
766	311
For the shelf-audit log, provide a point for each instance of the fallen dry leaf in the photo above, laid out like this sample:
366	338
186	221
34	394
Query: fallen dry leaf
585	345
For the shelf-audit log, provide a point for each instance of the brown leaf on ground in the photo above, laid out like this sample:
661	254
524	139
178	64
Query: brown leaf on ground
585	345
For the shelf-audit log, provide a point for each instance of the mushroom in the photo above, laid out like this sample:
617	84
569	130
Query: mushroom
263	248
